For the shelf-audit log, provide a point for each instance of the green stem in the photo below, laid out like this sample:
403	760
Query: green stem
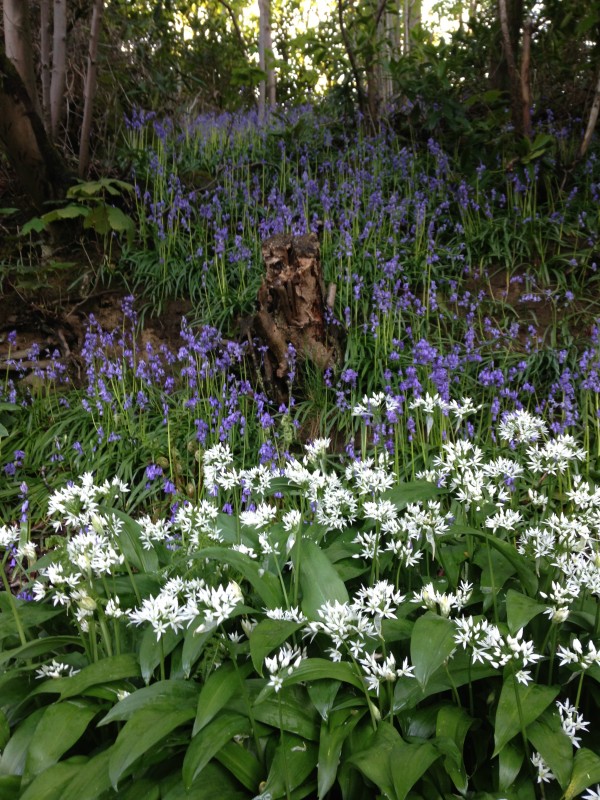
521	719
493	587
11	600
579	688
162	660
286	772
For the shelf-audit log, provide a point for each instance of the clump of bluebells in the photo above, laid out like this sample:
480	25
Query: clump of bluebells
323	618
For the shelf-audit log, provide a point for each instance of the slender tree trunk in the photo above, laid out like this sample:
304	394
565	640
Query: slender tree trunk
265	55
391	50
592	120
40	169
17	39
517	99
90	87
45	39
411	19
59	61
525	78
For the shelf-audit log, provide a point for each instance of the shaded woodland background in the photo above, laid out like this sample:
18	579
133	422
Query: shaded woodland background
71	70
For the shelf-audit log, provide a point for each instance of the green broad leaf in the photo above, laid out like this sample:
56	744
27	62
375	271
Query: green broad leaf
10	787
294	761
144	789
31	616
61	725
50	784
586	771
520	610
119	221
322	695
375	761
153	651
510	761
15	687
319	581
146	561
112	668
229	528
495	572
289	710
242	765
526	574
193	646
548	737
48	644
431	643
315	669
396	630
169	694
409	762
98	219
219	688
334	732
207	743
34	225
68	212
145	729
409	693
214	782
4	730
412	492
453	723
533	701
14	754
266	586
91	780
3	431
266	636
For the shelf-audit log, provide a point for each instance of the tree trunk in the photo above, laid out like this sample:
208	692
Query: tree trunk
518	80
291	316
45	38
40	169
266	99
59	61
411	19
525	77
591	125
90	87
17	39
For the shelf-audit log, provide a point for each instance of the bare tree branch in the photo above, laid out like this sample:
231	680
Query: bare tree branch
352	58
238	30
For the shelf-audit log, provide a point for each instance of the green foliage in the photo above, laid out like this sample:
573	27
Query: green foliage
170	669
92	205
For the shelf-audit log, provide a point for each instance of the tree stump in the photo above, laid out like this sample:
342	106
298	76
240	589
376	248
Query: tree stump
292	307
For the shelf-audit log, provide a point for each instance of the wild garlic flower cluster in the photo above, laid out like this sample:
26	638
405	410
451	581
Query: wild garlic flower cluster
572	722
76	506
55	669
506	496
444	603
9	536
489	645
354	629
283	664
428	404
183	602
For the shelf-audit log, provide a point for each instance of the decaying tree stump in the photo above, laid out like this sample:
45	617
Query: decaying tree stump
292	306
